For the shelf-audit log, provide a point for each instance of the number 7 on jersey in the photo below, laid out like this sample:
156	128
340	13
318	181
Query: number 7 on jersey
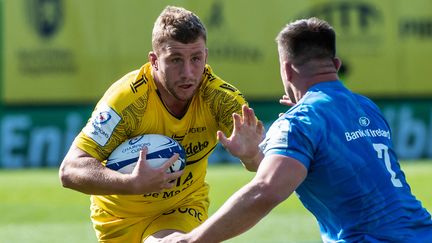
382	153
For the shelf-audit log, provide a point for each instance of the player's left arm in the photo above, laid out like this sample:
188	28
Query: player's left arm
239	130
247	134
276	179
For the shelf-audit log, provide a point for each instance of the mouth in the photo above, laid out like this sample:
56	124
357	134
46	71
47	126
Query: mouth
186	86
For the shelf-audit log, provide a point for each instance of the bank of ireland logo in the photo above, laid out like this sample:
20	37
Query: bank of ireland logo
364	121
103	117
45	16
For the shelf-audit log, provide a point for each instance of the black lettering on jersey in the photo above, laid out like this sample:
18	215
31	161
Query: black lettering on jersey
189	177
179	180
152	194
189	162
170	194
169	212
134	85
190	211
228	87
194	213
197	129
177	137
192	149
183	210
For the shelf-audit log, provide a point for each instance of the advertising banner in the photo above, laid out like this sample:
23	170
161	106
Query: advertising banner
62	51
41	136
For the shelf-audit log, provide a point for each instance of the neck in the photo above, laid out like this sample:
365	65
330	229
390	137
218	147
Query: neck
175	107
312	73
322	77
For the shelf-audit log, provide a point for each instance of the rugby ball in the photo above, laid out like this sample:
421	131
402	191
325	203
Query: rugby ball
160	148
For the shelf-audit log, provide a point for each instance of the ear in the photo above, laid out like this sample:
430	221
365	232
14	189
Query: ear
289	70
337	63
206	55
152	57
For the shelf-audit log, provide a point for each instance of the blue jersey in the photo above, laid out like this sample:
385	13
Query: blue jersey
354	187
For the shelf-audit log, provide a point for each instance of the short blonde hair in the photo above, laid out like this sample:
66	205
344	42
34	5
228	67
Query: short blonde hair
179	24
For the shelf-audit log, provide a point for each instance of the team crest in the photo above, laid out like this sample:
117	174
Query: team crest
45	16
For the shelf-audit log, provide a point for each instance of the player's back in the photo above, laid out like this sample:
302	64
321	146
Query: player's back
355	186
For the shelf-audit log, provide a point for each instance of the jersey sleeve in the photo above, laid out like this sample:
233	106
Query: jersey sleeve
295	135
112	120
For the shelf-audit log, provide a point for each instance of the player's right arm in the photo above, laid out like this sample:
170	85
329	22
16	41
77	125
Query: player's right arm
111	123
276	179
82	172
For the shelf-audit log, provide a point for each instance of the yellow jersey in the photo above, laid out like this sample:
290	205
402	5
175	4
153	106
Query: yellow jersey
131	107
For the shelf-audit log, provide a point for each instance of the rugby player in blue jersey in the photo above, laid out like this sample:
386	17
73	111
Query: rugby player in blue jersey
333	148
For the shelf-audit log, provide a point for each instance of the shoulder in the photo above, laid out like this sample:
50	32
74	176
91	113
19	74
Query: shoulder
221	98
216	89
133	86
305	110
366	101
306	120
117	114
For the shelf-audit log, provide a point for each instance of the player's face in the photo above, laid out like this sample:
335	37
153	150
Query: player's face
180	68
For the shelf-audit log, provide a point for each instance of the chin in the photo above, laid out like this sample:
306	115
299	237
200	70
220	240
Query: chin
184	98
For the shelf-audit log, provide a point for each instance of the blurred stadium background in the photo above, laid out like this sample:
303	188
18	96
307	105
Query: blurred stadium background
59	56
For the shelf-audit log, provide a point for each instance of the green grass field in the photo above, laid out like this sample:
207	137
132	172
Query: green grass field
35	208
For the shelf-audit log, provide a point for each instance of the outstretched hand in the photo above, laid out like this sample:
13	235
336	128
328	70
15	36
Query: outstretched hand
248	132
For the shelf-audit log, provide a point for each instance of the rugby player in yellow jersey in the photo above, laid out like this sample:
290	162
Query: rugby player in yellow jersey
176	94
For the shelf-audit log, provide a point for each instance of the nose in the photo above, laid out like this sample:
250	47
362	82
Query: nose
187	71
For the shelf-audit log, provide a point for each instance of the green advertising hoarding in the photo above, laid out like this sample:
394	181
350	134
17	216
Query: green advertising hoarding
38	136
41	136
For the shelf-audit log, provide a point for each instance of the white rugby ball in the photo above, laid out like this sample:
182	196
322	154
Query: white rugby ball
160	148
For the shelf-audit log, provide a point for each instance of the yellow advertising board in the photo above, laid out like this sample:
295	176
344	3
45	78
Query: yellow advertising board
70	51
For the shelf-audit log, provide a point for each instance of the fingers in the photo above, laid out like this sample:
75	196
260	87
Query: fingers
171	179
144	178
143	153
170	184
251	120
248	118
286	100
260	128
222	138
170	162
248	115
142	157
237	121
